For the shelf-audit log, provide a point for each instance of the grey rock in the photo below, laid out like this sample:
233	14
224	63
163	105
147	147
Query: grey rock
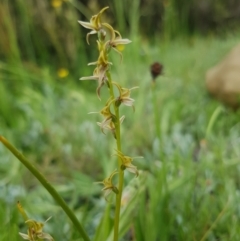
223	80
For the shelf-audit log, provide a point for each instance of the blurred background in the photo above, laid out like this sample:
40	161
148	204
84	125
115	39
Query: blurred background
189	185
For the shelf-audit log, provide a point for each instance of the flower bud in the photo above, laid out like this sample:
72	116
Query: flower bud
118	102
115	190
102	35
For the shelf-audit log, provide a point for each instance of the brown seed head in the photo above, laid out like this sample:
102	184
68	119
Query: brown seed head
156	70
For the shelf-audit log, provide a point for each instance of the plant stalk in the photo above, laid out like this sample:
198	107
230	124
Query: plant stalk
158	133
156	111
120	171
52	191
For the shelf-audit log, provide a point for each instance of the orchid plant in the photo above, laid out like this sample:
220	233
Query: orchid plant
107	39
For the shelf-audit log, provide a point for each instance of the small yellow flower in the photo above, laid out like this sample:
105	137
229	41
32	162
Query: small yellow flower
56	3
62	73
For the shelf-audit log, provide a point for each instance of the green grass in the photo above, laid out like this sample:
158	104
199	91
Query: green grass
192	193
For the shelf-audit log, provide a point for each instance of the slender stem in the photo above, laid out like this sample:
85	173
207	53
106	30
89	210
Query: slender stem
156	111
120	183
158	133
121	172
52	191
215	221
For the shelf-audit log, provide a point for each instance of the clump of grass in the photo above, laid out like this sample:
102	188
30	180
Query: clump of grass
185	115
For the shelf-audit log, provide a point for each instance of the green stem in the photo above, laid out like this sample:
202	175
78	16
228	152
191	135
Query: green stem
158	133
156	110
120	182
47	186
121	172
216	221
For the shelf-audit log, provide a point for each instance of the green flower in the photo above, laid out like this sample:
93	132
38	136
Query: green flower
106	110
35	228
124	95
108	124
109	118
127	162
108	185
99	73
95	23
116	42
35	232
